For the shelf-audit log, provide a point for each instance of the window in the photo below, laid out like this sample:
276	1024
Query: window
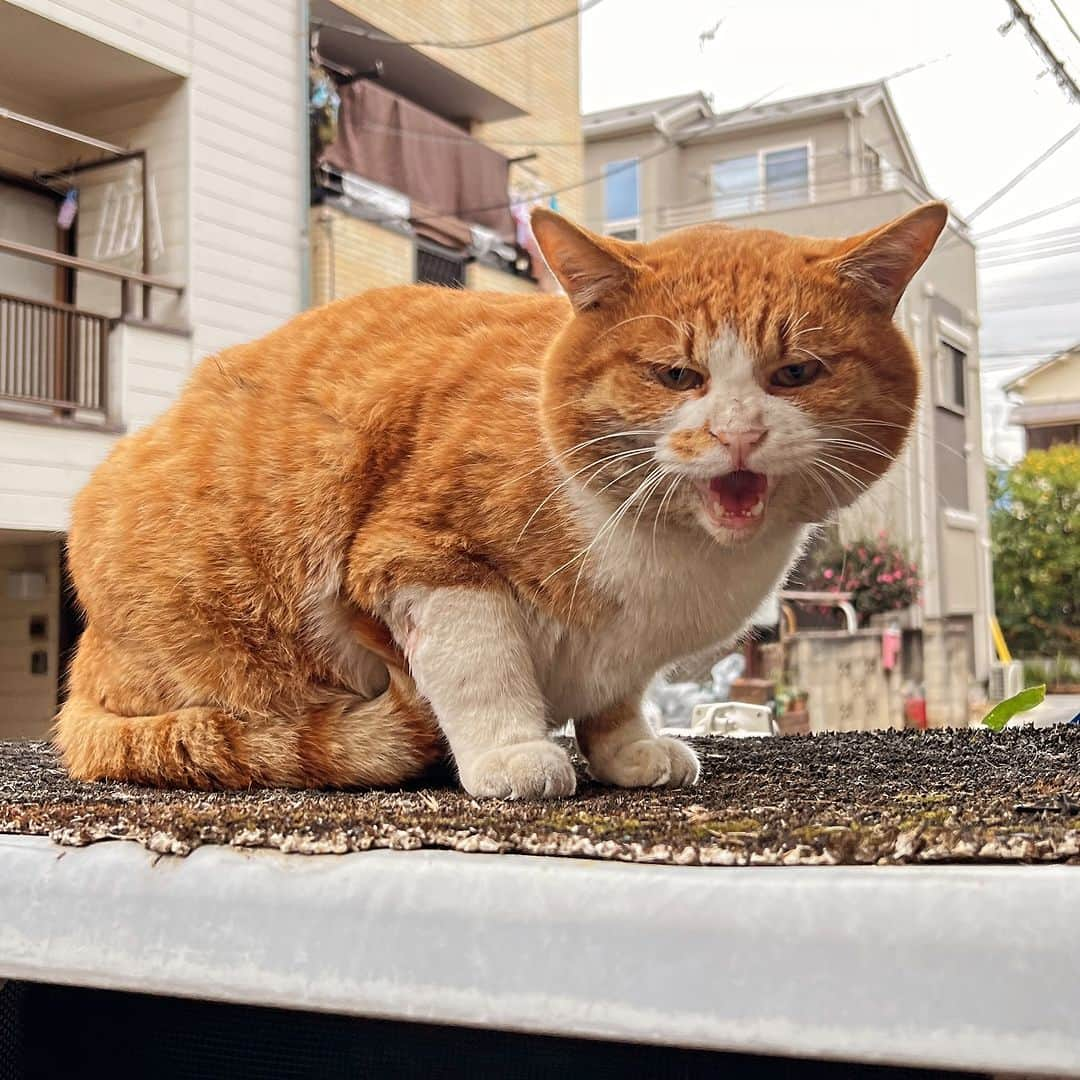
1042	438
435	267
763	180
950	426
871	165
621	196
736	185
953	377
787	176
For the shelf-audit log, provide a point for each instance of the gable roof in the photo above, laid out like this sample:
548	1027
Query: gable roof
1073	352
660	113
692	118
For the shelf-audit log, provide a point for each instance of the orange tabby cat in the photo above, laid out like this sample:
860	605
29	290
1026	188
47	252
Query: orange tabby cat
420	518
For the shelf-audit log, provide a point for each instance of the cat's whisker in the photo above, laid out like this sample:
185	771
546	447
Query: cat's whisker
903	427
855	444
812	470
641	511
878	479
664	498
585	550
636	318
793	327
851	483
611	532
598	467
583	554
802	350
553	460
625	473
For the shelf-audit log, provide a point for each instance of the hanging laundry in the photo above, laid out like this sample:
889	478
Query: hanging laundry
65	216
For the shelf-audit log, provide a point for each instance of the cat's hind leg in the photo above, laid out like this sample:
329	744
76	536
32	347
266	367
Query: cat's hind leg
332	740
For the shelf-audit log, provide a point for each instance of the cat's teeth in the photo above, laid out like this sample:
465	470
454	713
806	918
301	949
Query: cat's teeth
757	509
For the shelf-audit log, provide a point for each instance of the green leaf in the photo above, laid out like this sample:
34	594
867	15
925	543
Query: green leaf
1005	710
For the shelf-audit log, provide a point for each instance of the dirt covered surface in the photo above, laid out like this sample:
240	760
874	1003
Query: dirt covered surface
858	797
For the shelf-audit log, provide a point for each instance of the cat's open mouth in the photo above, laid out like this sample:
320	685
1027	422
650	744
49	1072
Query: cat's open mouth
736	500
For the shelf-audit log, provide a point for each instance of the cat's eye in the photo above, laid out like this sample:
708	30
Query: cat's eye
792	375
680	378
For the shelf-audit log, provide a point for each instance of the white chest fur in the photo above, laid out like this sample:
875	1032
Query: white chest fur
673	600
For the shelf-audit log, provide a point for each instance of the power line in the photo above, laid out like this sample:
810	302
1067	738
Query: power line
1027	305
995	247
1065	19
1010	257
1022	174
1028	218
475	43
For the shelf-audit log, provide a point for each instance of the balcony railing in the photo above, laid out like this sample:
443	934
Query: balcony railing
760	200
53	354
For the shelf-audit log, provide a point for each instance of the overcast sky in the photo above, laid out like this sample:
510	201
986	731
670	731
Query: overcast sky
976	116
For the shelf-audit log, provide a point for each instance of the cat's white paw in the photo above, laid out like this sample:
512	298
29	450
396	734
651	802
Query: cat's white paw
656	762
528	770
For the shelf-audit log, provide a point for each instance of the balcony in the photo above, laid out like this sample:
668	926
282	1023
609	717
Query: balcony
55	357
832	182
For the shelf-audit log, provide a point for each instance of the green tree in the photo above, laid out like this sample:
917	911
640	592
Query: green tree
1035	523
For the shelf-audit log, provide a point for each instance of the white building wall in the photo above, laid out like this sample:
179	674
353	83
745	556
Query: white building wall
227	150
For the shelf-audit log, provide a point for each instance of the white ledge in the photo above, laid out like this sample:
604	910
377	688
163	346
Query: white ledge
954	967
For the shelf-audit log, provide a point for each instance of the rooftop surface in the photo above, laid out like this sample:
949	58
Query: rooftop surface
852	798
970	967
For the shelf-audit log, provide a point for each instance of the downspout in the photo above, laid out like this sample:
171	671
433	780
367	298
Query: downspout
304	50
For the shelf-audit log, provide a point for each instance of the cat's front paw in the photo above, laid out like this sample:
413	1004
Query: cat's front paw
653	762
528	770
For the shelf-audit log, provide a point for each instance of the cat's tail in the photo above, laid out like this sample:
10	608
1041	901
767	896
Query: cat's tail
343	742
335	740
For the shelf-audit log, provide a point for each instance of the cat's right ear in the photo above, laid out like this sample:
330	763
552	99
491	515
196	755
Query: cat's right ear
592	269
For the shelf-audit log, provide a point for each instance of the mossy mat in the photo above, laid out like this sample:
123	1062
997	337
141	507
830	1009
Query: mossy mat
857	797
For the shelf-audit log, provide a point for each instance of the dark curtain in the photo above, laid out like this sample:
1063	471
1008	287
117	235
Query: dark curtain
445	172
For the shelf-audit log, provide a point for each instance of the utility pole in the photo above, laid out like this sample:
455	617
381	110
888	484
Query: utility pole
1061	76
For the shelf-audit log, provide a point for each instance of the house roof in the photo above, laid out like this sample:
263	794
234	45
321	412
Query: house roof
657	113
692	117
1043	365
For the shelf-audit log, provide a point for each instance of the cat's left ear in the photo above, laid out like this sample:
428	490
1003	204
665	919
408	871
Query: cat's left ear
592	269
884	260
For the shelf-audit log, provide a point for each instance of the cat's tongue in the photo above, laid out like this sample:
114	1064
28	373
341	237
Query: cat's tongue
738	493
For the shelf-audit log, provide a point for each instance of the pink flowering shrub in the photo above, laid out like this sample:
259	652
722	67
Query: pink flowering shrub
879	574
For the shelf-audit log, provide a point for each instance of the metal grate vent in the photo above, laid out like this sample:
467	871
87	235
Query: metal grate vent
434	267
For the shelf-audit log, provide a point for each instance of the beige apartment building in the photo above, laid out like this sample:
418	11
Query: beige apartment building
152	211
835	164
165	192
433	144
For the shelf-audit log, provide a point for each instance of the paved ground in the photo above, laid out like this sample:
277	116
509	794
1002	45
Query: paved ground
1056	709
857	797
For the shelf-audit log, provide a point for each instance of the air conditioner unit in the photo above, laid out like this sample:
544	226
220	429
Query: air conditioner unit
1006	680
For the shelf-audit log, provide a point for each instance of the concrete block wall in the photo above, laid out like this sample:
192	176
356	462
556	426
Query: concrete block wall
946	675
847	686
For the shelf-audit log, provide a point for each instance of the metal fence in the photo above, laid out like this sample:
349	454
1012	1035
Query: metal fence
53	355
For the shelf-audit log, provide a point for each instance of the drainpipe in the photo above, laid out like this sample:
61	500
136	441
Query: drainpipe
303	50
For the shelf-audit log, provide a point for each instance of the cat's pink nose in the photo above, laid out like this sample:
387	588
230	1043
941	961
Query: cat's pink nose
740	443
